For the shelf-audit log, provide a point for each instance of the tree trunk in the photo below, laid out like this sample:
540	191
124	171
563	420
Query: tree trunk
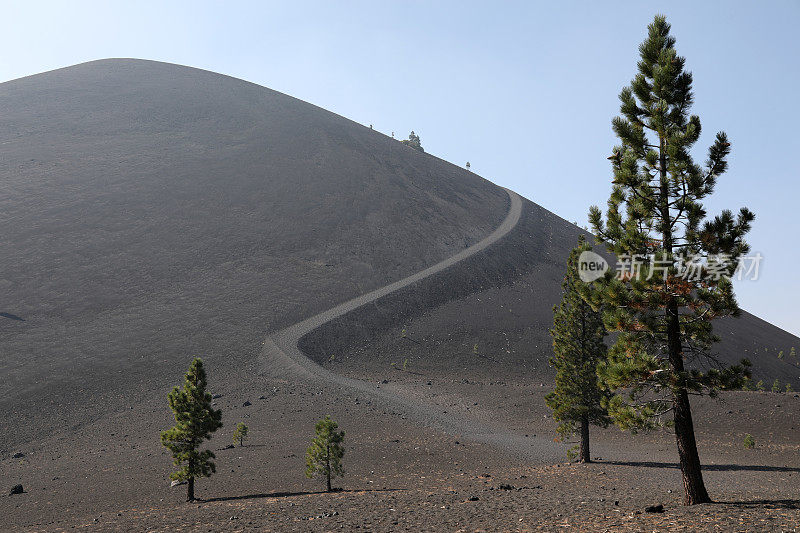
328	466
190	482
585	457
693	486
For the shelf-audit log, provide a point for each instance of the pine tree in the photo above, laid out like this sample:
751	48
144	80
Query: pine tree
578	346
655	221
413	141
240	433
195	421
324	456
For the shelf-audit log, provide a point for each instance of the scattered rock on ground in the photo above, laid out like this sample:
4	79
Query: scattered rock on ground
654	509
16	489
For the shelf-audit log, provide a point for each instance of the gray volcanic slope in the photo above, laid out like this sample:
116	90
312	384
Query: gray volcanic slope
489	316
152	212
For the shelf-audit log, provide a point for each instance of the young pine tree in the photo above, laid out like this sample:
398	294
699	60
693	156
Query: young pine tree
655	217
240	433
578	346
324	456
195	421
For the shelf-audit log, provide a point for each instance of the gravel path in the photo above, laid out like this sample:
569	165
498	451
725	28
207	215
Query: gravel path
281	355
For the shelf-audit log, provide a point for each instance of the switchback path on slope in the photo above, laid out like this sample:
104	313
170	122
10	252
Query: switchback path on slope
281	354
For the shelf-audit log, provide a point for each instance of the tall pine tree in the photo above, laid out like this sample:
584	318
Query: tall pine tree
676	263
195	421
578	346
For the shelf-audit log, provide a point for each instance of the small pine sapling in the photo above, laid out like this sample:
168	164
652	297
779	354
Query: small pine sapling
240	433
324	456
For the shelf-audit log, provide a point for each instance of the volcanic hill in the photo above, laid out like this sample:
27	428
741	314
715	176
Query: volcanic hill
153	212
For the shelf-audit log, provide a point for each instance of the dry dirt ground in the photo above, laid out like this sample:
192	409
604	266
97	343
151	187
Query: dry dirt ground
401	477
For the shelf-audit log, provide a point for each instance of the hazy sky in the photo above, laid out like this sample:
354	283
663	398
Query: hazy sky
524	91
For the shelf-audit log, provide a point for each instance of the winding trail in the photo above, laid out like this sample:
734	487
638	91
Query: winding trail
281	354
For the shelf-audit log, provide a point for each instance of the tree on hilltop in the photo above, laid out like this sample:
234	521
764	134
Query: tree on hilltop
413	141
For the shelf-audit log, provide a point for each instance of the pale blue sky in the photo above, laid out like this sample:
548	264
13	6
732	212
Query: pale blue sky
525	91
